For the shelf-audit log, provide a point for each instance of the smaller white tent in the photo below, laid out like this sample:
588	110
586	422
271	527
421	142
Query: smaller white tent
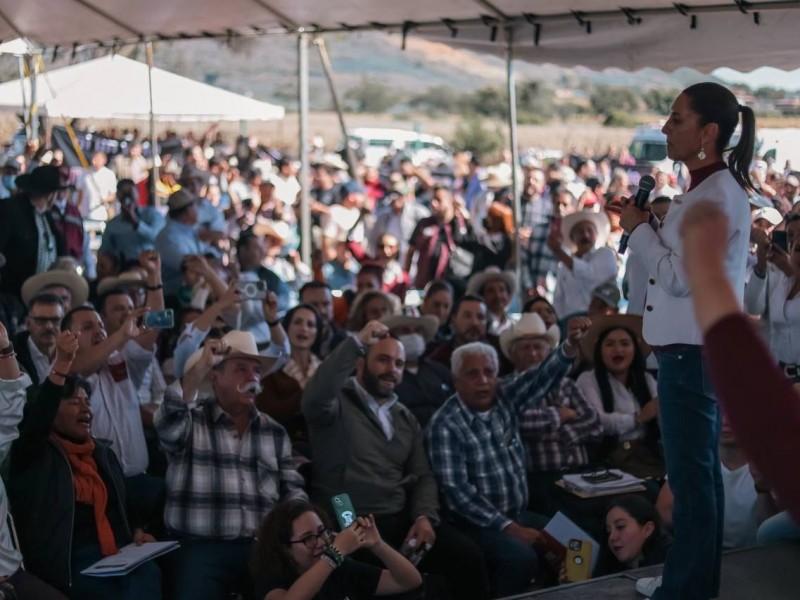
17	47
115	87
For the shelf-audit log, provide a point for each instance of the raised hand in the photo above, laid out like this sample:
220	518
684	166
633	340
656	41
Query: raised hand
66	347
372	332
150	260
372	537
270	306
350	539
5	341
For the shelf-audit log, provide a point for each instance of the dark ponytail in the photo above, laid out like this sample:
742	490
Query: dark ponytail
741	156
715	103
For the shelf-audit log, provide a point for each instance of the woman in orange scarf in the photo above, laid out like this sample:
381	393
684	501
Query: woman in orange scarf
68	492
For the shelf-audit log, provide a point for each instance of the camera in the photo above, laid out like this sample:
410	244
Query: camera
252	290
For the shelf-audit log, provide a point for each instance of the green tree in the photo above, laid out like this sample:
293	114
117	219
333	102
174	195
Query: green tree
488	101
371	96
436	100
660	101
536	98
473	136
609	99
769	93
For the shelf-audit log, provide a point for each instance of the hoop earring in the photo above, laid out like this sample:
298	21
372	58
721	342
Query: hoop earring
702	154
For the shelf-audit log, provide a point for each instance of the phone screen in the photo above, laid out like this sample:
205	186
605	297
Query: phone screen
160	319
780	239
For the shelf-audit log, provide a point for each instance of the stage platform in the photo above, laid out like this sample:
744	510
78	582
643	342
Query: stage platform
770	573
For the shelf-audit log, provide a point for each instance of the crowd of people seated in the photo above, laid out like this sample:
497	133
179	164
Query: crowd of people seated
407	365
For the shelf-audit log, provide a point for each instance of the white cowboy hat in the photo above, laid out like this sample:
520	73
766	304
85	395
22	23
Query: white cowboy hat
598	219
480	279
128	279
241	344
76	284
529	325
496	180
428	323
276	229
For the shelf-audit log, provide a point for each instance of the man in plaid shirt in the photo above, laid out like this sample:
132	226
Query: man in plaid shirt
537	215
477	456
556	430
229	465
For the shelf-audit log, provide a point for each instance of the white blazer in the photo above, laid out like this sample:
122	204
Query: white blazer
669	315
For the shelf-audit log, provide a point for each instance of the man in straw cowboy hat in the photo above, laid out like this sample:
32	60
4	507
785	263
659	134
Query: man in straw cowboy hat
229	464
369	445
590	263
497	289
554	432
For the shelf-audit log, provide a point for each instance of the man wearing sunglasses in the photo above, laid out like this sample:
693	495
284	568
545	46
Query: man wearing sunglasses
36	347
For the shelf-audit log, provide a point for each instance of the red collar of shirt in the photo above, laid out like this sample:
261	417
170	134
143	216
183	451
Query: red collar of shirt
700	175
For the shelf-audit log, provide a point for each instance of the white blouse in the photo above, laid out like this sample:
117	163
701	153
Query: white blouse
769	298
622	421
574	287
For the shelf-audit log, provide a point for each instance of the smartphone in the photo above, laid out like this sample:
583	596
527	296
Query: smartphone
344	510
160	319
579	560
602	477
252	290
414	553
780	240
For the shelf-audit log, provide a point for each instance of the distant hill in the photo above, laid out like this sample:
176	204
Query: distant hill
266	68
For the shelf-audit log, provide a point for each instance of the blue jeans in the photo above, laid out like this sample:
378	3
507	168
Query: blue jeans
512	564
778	528
690	427
209	569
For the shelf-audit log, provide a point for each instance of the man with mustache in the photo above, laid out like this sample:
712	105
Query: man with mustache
368	445
36	347
229	465
591	263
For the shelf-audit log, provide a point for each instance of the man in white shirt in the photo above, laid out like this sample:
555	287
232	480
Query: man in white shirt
286	185
36	347
115	366
591	263
344	221
96	188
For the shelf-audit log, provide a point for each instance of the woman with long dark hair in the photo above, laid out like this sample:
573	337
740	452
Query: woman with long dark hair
699	131
297	556
282	390
624	395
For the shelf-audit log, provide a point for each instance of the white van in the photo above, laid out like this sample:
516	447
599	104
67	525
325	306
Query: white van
649	148
421	148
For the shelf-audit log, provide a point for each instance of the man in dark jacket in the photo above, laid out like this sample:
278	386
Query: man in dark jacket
28	236
68	492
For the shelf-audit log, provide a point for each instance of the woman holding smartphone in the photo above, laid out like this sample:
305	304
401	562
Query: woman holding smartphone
773	293
297	557
699	130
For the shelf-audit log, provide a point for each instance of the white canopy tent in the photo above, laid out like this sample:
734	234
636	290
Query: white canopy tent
115	87
739	34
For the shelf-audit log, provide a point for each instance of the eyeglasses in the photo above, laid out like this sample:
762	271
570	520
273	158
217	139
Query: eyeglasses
310	541
55	321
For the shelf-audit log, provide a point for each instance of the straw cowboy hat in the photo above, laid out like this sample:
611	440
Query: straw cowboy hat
76	285
275	229
126	280
428	323
529	325
497	180
598	219
240	344
480	279
600	325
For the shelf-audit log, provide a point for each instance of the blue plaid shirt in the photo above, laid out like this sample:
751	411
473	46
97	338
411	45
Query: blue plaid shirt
537	258
480	462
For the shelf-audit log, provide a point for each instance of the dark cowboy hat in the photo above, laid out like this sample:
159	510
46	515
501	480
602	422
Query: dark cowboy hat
41	181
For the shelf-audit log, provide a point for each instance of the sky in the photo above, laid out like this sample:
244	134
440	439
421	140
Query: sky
762	77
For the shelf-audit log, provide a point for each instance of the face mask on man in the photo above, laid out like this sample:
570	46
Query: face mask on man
413	344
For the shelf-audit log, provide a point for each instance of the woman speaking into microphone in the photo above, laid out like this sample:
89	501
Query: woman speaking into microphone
699	130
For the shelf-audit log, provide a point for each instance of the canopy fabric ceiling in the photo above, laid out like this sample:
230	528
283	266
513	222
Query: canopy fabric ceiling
115	87
593	33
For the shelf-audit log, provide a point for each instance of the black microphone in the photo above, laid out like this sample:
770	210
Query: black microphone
646	185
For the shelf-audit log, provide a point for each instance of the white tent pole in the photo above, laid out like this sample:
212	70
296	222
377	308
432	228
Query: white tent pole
32	108
512	136
153	136
305	199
